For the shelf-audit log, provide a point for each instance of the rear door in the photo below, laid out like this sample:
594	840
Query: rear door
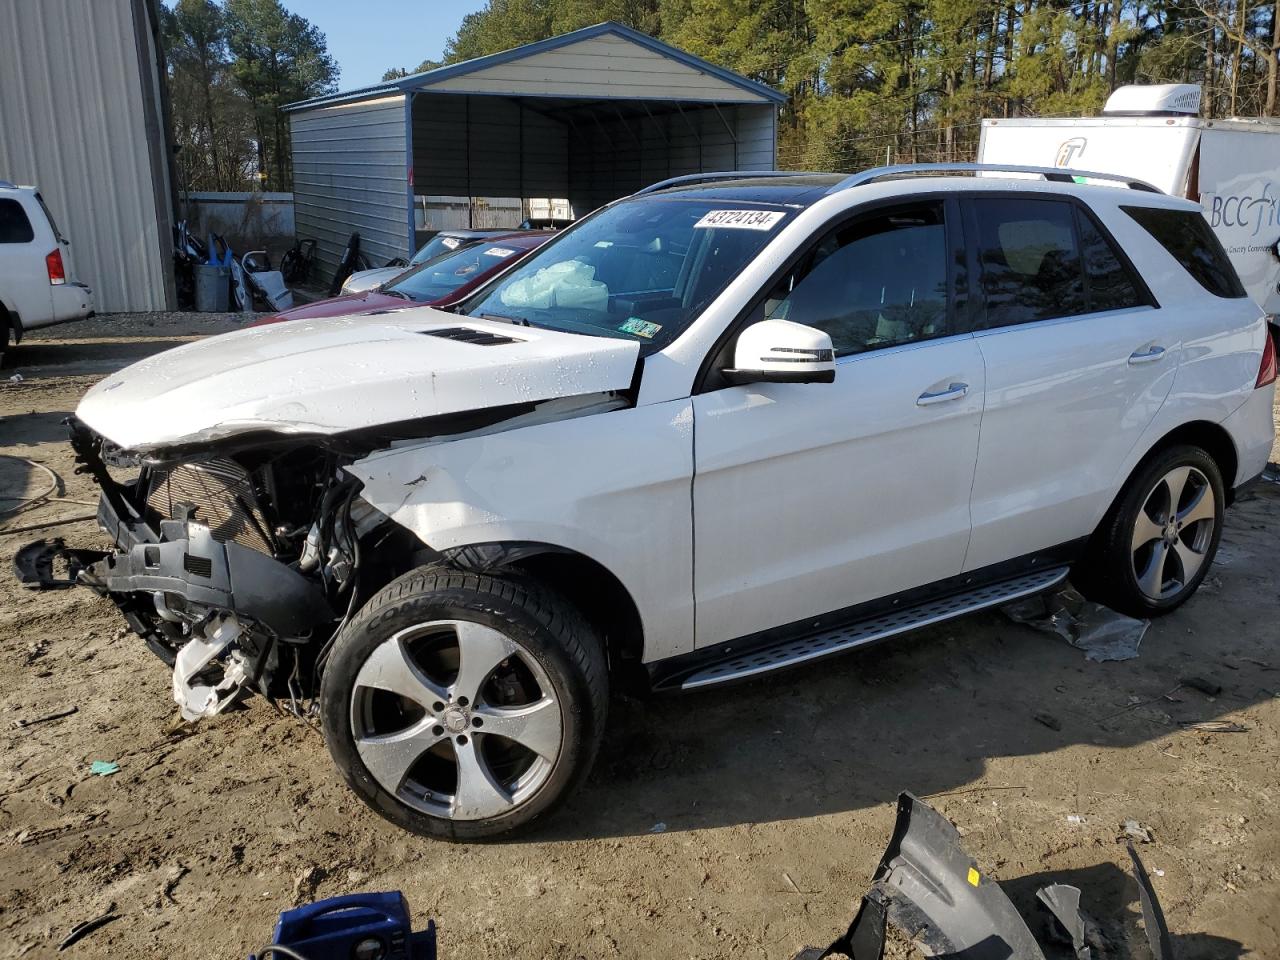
811	498
1078	362
24	280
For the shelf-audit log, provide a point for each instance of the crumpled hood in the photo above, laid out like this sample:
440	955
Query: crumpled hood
337	374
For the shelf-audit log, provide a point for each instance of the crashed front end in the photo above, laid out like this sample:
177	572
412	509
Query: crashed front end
234	567
242	541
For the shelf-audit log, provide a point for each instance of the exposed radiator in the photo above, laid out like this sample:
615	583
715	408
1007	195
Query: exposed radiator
223	498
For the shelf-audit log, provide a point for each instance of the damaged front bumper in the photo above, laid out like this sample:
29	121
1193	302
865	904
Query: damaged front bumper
193	597
930	890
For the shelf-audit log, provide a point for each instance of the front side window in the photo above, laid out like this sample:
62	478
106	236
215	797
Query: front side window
14	225
1029	262
877	282
1189	238
641	270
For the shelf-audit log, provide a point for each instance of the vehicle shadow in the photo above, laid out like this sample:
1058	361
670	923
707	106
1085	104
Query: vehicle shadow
928	712
28	430
42	359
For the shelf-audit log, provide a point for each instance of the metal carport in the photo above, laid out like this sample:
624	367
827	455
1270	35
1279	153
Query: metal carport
579	119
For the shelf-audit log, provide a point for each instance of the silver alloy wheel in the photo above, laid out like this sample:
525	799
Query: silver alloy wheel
1173	532
500	754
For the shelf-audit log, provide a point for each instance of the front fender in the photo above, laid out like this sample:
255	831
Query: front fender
615	487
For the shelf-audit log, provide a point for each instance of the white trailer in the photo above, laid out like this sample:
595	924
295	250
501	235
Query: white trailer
1153	133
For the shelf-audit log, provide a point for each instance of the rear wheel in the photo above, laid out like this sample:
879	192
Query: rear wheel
464	706
1157	543
6	335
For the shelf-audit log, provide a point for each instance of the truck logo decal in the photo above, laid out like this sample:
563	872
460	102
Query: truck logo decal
1244	210
1069	150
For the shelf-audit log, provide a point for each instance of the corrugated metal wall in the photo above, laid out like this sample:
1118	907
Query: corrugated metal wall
510	148
537	147
615	158
80	118
350	173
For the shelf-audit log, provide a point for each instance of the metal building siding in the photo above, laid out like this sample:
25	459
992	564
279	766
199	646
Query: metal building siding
757	129
618	157
604	66
350	173
74	104
506	150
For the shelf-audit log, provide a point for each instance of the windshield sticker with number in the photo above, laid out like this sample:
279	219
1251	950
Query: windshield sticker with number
499	252
740	219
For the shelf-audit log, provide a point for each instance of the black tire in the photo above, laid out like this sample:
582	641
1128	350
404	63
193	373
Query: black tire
1109	572
547	631
6	335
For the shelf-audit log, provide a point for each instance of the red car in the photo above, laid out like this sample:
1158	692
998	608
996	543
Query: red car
437	283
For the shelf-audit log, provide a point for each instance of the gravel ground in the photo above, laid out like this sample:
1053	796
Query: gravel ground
739	823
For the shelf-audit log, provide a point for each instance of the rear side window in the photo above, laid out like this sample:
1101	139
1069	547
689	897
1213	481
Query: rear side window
1030	264
14	225
1189	239
1109	282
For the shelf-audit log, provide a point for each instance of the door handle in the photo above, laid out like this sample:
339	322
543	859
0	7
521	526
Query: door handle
1150	355
953	392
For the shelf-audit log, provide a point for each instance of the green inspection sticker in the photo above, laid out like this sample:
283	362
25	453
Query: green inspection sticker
641	328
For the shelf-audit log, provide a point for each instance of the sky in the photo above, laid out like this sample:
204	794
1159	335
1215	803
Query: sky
367	37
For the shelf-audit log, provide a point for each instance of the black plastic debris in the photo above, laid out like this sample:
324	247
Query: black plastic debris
932	892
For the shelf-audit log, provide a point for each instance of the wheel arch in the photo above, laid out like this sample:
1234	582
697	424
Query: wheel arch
591	587
1211	437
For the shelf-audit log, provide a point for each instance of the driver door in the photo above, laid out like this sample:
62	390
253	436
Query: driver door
812	498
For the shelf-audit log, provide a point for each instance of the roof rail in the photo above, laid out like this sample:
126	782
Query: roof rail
1057	174
693	178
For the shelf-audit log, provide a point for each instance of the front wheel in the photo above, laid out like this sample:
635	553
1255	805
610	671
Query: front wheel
1157	543
464	706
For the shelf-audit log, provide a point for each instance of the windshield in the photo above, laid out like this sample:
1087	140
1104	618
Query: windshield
641	270
440	277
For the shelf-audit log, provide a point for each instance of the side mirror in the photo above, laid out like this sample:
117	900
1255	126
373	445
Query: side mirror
780	351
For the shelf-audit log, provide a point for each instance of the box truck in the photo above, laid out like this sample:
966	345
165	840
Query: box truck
1154	133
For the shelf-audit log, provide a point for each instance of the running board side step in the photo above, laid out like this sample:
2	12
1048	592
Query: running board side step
859	633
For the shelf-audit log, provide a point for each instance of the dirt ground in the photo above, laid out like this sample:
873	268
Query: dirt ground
741	823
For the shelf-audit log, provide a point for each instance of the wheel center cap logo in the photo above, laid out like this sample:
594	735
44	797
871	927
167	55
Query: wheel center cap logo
455	719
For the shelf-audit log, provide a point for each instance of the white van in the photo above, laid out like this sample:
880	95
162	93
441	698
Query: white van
37	284
1153	133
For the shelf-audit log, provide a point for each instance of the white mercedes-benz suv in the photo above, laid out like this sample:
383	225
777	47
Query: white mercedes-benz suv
731	423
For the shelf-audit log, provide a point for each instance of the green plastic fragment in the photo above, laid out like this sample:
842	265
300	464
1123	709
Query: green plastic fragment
104	768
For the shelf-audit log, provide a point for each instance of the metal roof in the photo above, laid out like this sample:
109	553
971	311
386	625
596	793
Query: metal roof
425	80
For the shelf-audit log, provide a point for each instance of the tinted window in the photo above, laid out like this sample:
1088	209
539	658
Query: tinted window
1110	284
14	225
877	282
1187	236
1030	263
